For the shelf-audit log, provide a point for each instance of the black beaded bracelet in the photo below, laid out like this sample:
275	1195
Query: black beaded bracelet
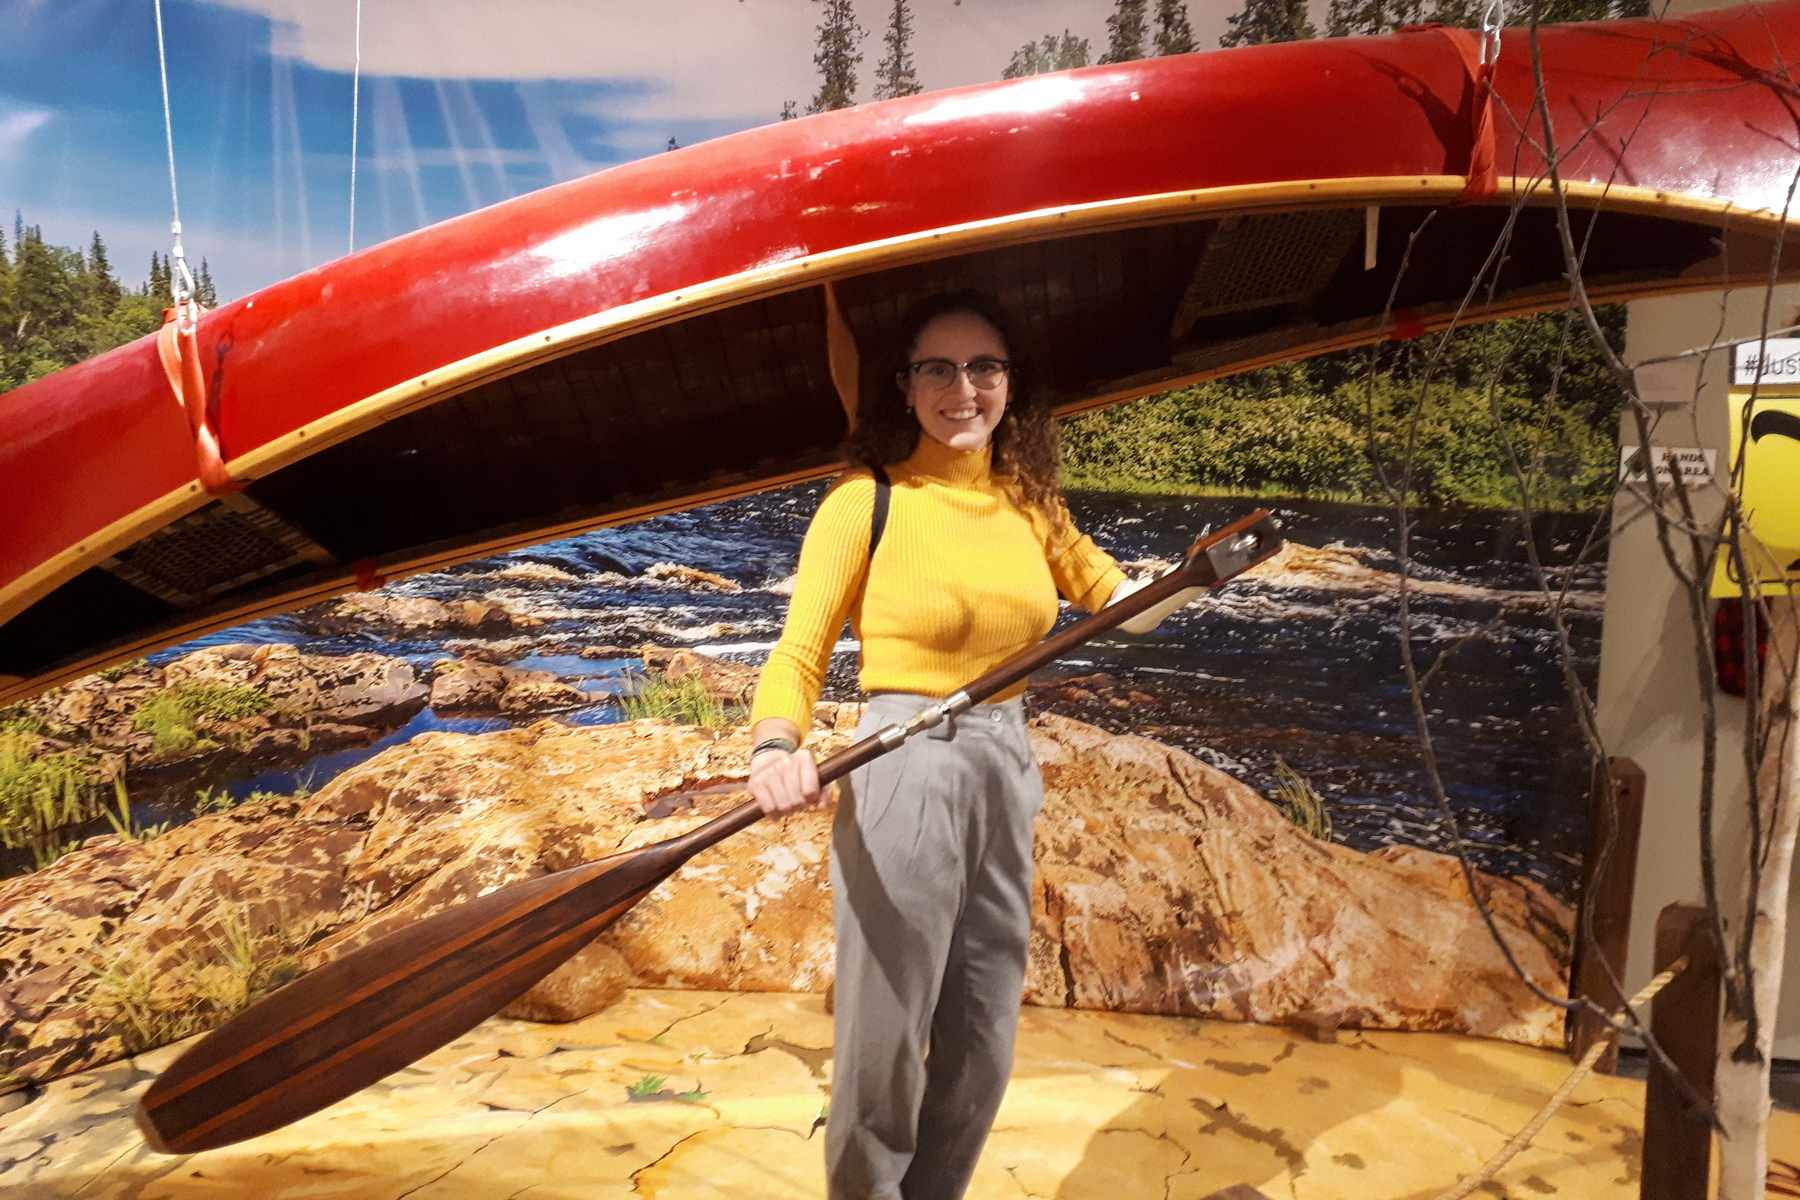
774	743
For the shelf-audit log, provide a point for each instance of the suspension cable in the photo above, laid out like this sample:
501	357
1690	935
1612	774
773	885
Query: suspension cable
181	280
355	95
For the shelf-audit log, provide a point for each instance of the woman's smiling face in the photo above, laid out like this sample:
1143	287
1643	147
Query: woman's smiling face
958	412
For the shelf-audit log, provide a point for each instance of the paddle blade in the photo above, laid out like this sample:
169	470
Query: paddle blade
376	1009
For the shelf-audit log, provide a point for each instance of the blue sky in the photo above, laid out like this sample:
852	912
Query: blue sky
463	103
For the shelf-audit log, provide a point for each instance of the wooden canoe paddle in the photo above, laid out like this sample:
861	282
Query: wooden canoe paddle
382	1006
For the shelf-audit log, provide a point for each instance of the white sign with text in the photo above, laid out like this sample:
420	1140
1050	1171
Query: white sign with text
1775	361
1696	464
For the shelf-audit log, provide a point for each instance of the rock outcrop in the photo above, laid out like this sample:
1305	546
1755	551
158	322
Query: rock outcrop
471	685
360	612
247	700
1337	569
1163	885
731	682
692	577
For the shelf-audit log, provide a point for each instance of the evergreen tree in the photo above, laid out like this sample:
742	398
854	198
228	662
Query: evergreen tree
1173	33
101	281
8	314
1049	54
1263	21
204	291
838	55
162	280
895	75
1358	18
1125	32
673	144
46	291
59	306
789	109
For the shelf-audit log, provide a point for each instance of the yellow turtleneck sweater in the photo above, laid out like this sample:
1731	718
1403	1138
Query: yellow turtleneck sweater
962	580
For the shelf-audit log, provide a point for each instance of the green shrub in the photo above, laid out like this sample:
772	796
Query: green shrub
171	717
118	671
1274	435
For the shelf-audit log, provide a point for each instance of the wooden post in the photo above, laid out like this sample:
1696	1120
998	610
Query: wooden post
1684	1018
1615	811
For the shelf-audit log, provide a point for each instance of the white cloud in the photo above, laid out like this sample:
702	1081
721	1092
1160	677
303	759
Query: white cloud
716	59
16	127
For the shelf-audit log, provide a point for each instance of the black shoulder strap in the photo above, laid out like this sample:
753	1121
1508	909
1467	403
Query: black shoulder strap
878	516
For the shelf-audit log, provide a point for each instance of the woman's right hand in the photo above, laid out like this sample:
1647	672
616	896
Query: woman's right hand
784	781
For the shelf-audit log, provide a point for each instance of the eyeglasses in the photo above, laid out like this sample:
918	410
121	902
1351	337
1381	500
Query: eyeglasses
985	373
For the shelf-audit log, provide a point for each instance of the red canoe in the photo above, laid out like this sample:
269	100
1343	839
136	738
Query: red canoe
693	326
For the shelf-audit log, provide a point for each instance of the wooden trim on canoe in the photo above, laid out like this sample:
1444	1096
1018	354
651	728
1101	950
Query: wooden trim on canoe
53	572
625	320
1523	306
14	687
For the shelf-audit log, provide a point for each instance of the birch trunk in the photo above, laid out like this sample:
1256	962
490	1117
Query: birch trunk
1742	1082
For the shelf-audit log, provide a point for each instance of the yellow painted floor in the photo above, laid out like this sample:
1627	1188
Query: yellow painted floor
694	1095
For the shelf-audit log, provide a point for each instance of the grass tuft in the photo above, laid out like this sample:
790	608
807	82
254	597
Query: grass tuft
1300	801
685	701
646	1087
119	817
239	961
17	718
42	793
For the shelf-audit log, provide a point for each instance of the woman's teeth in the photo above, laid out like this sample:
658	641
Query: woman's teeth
962	414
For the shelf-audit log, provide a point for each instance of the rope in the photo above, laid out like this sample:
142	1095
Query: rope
1523	1138
355	97
181	280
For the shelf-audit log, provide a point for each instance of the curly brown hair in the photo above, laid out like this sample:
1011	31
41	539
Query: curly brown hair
1024	444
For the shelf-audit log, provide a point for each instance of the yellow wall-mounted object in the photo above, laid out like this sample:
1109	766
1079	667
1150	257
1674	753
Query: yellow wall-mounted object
1765	428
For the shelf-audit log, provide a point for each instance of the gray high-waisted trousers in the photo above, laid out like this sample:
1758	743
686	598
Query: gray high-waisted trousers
931	895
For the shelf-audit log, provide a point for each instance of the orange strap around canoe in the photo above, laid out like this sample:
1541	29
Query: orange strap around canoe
1483	174
179	350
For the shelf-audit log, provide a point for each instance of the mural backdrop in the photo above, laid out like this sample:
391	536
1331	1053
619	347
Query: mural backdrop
1238	824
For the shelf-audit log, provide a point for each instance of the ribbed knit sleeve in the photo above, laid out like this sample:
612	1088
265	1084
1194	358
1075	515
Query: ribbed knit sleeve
1085	574
833	560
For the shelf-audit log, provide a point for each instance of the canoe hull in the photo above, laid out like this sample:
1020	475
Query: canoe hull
700	324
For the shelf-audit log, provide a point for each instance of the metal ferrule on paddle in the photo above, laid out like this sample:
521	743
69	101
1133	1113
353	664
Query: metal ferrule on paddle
388	1003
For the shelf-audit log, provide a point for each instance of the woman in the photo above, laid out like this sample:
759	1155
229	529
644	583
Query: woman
931	845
